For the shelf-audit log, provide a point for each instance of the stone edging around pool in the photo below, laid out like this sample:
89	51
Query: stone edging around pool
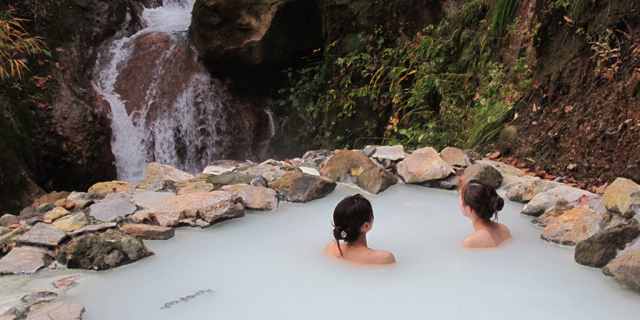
104	227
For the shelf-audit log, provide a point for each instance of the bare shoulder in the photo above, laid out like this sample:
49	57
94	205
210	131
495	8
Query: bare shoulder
331	249
504	232
479	239
384	257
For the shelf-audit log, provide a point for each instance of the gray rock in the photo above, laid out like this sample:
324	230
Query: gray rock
57	310
8	219
36	297
260	181
301	187
316	158
389	153
30	212
448	183
83	204
525	191
508	139
93	228
220	166
149	199
229	178
42	234
45	207
484	173
602	247
23	260
551	215
270	169
83	196
112	210
626	269
33	221
560	195
369	151
162	185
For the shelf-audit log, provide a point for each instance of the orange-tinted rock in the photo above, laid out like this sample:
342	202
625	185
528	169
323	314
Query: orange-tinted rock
573	226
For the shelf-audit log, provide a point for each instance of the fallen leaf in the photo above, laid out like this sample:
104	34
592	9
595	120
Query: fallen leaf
494	156
568	19
600	190
568	109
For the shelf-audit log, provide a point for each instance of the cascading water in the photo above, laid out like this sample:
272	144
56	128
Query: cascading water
165	107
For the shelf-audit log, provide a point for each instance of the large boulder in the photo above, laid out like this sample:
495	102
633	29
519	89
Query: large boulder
302	187
484	173
157	171
602	247
23	260
573	226
316	158
251	39
551	215
354	167
255	197
454	157
211	207
626	269
560	195
43	235
423	165
623	196
102	251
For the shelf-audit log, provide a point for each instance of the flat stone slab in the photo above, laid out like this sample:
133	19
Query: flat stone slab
157	171
255	198
148	232
93	228
149	199
22	260
72	222
43	234
392	153
560	195
112	210
9	219
58	310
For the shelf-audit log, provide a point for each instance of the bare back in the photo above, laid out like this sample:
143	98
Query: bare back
488	237
359	254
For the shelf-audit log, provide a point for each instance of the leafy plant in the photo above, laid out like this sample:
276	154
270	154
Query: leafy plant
15	45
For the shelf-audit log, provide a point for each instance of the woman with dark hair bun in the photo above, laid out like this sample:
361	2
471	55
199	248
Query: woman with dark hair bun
480	203
352	219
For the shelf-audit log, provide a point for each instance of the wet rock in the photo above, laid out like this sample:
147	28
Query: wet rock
93	228
50	198
185	209
72	222
66	283
508	140
227	179
104	188
526	190
454	157
560	195
148	232
56	213
112	210
30	212
149	199
302	187
423	165
316	158
260	182
623	196
43	235
102	251
193	186
23	260
546	218
484	173
270	169
626	269
157	171
37	297
8	219
573	226
449	183
354	167
602	247
255	197
162	185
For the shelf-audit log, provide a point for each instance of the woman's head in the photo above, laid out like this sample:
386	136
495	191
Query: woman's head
349	217
482	199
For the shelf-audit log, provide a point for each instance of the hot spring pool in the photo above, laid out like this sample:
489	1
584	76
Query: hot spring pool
270	265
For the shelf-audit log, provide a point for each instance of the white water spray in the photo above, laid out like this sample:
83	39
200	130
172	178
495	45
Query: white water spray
173	116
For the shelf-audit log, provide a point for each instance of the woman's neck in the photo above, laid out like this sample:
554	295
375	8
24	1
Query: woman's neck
479	224
361	242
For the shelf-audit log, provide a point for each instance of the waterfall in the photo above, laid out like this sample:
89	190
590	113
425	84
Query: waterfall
165	107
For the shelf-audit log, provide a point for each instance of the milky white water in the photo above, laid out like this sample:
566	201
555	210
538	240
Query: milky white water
185	133
270	265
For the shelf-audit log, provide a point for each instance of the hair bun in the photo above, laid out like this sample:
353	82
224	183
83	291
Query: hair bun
497	203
